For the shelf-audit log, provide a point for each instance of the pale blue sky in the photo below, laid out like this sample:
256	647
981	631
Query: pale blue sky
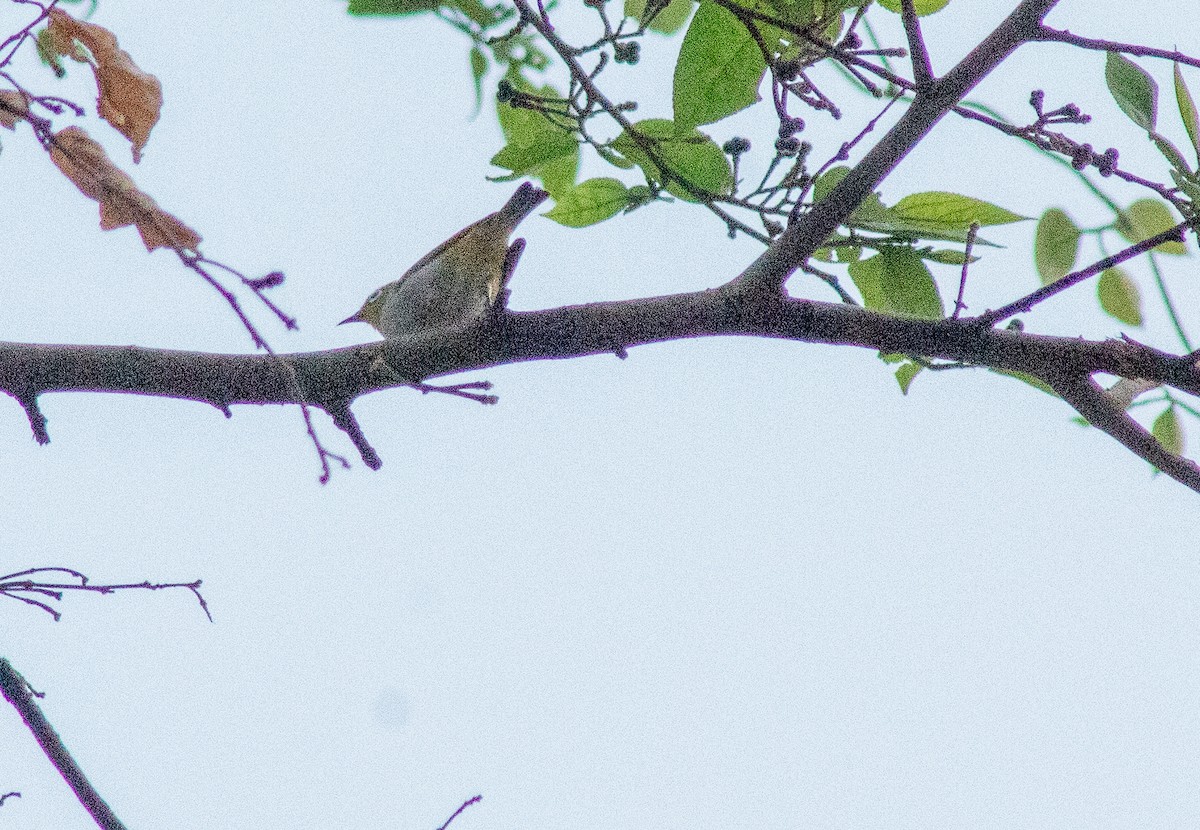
724	583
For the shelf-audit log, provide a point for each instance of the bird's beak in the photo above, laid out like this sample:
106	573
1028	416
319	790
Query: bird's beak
356	317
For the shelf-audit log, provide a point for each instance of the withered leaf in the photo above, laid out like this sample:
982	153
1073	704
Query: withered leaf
13	107
89	168
130	99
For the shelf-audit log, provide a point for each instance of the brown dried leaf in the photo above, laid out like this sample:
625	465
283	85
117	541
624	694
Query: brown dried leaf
130	99
89	168
13	107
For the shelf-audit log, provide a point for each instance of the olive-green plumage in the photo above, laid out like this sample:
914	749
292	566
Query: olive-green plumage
456	283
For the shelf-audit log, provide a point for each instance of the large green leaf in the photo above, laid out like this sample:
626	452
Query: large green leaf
1056	245
1134	90
719	69
689	154
953	209
896	281
536	147
873	215
590	202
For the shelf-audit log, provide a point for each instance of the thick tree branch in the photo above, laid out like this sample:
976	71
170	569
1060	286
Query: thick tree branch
333	379
1101	411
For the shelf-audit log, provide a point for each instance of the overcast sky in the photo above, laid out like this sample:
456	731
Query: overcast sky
725	583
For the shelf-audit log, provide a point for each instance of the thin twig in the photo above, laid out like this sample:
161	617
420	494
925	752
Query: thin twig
990	318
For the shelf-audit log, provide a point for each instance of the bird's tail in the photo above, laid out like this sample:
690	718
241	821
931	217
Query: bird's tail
521	204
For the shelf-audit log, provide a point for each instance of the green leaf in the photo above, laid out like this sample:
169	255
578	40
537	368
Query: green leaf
867	275
392	8
1169	431
1134	90
896	281
1146	218
719	70
1036	383
905	375
689	154
1188	183
872	215
1056	245
952	209
537	147
590	202
923	7
949	257
1187	111
1119	296
668	21
1171	153
827	181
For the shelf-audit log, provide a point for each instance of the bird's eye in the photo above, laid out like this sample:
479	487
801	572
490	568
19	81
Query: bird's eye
375	295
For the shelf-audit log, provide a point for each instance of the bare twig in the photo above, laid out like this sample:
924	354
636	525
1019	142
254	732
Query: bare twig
990	318
15	587
922	68
959	305
465	805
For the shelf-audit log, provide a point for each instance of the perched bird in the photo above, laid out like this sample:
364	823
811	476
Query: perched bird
456	283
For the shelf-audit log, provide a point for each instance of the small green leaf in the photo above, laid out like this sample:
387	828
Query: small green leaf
719	69
905	375
1134	90
1188	183
1170	153
614	159
1119	296
1056	245
896	281
392	8
1146	218
1036	383
590	202
953	209
1169	431
923	7
689	154
667	21
479	67
827	181
946	256
1187	111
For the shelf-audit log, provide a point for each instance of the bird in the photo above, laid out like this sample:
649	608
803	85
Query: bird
459	282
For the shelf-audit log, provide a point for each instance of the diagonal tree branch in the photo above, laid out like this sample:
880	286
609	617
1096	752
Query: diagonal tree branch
810	231
17	692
